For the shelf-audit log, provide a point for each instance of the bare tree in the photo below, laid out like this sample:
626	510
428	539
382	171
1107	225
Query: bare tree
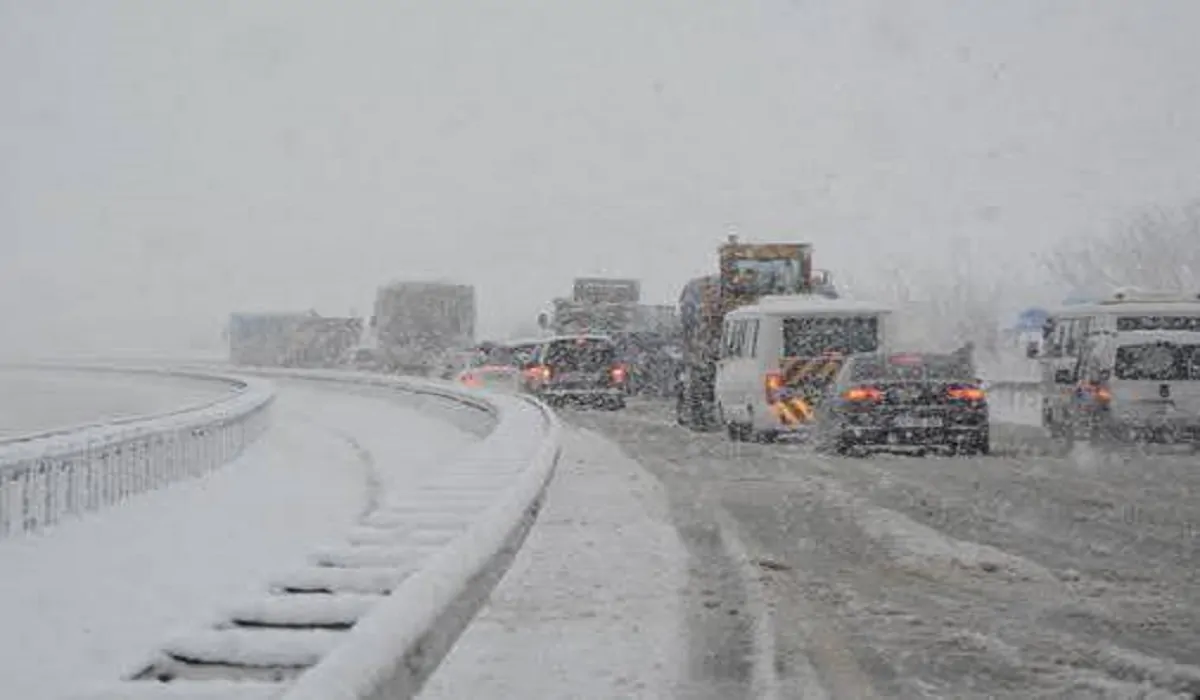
1155	248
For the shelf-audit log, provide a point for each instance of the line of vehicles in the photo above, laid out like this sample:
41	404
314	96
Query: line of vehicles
771	349
766	347
763	348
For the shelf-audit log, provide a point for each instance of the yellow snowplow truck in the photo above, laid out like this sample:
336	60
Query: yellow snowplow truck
747	272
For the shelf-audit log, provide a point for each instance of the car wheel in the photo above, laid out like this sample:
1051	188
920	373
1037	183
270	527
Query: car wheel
980	443
766	437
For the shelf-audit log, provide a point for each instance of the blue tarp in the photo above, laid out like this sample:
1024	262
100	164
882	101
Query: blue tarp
1031	319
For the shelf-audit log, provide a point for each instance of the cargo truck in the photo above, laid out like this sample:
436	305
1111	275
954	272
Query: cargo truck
417	324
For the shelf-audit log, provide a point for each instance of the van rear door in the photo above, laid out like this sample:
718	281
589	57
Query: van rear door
1157	378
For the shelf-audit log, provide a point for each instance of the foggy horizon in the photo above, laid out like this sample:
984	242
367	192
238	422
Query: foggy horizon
164	164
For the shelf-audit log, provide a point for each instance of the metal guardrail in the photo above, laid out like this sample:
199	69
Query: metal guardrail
53	475
373	618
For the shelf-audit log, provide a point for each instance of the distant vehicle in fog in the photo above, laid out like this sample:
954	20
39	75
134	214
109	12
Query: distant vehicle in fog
495	366
907	400
416	324
297	339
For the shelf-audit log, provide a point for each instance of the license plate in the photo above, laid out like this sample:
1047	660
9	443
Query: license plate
910	422
574	379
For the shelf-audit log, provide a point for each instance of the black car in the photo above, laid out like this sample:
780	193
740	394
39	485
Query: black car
580	369
922	400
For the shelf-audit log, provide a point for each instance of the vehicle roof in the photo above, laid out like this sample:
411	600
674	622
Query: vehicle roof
1149	337
520	341
808	304
1127	308
576	336
1135	302
884	354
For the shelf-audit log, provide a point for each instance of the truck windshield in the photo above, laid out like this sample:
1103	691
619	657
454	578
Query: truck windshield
816	335
765	277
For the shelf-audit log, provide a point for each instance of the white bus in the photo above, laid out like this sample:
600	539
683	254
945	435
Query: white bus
778	356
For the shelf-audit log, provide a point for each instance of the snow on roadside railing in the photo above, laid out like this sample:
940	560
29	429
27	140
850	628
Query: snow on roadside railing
52	475
375	617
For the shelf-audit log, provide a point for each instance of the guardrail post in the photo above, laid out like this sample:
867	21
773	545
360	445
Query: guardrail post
6	507
47	481
26	498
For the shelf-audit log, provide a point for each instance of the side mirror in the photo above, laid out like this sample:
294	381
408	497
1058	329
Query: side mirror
1031	350
1064	376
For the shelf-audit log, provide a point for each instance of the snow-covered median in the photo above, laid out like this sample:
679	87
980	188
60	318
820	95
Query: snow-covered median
590	607
83	603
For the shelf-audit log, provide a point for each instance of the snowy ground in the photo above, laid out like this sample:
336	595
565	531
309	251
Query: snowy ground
87	601
34	401
1027	574
592	605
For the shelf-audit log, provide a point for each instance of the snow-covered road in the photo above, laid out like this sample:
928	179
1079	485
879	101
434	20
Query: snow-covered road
35	401
592	606
87	601
1025	574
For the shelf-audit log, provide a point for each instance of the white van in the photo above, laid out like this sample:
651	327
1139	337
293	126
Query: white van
1141	386
778	356
1072	330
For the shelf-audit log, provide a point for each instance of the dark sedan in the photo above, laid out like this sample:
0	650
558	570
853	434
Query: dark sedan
909	400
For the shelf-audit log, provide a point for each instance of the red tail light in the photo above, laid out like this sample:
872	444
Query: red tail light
966	393
538	373
618	374
862	394
773	385
1098	393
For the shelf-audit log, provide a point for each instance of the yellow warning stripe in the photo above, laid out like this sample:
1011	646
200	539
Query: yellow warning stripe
809	375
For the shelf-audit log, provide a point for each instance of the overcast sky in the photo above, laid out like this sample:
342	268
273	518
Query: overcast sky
163	163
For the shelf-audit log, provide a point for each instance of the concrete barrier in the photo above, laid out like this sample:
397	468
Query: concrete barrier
375	617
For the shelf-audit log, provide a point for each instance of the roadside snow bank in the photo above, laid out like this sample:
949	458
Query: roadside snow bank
590	607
